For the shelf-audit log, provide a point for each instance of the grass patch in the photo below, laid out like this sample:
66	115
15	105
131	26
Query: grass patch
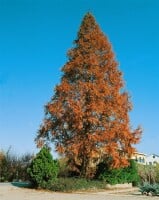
76	184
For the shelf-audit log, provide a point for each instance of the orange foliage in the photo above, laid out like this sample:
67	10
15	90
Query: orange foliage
90	102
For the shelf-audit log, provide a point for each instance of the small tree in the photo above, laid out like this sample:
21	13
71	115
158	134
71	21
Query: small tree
43	169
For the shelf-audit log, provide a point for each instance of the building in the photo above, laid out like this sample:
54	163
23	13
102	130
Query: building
139	158
144	159
152	159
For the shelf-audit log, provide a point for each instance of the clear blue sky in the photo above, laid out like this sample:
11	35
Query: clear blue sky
35	36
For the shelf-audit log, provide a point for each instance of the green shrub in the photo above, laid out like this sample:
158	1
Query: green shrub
76	184
43	169
149	189
120	175
114	176
132	173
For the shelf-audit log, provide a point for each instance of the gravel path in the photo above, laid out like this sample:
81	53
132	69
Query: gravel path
8	192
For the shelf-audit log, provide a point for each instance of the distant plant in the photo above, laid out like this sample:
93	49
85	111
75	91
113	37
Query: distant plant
156	169
24	162
13	167
148	173
43	169
64	169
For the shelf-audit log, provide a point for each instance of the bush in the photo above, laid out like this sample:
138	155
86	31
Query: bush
76	184
149	189
114	176
118	176
43	170
132	171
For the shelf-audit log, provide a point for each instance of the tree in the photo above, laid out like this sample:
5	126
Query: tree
43	169
13	167
87	117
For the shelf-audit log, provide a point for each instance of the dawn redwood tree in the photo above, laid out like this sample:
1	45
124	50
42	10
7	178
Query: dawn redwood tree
87	117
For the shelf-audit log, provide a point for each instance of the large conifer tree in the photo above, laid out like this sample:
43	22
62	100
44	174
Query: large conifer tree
87	117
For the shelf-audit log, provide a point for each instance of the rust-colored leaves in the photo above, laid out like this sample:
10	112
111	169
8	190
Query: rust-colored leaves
90	102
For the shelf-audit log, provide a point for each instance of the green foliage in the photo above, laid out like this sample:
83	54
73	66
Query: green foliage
120	175
113	176
43	170
76	184
132	173
149	189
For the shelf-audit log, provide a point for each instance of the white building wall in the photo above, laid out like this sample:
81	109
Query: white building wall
152	159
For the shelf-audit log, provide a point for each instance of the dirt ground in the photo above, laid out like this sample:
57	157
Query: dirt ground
9	192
